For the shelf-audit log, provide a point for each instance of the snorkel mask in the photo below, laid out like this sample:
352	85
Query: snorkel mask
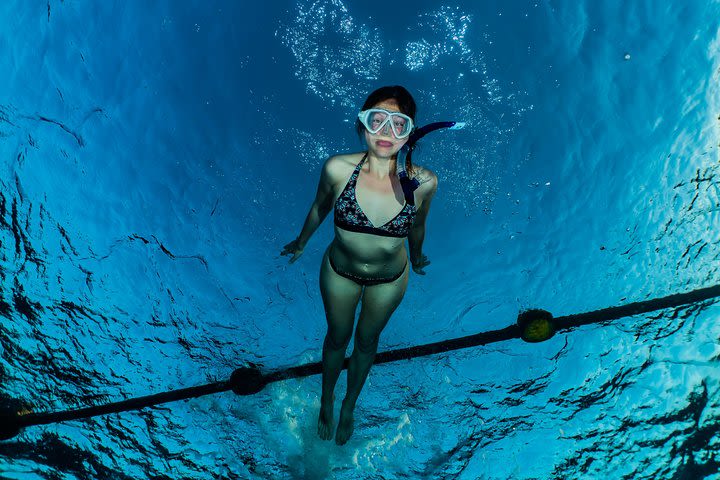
376	119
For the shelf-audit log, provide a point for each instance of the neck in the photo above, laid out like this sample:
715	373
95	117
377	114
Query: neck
381	166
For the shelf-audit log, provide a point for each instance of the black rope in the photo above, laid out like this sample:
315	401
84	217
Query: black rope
250	380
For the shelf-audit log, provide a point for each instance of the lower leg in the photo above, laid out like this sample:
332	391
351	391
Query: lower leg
361	360
333	356
358	369
332	360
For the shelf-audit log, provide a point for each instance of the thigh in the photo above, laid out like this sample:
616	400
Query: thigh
378	304
340	298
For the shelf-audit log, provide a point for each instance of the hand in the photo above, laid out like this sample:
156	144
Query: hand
293	248
419	264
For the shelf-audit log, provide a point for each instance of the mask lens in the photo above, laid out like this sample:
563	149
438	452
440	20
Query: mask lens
401	126
376	120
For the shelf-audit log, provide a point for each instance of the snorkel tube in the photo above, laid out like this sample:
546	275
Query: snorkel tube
410	185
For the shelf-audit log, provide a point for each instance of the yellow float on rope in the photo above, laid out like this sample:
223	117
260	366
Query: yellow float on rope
536	325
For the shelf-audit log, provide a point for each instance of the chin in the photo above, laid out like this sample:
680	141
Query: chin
386	152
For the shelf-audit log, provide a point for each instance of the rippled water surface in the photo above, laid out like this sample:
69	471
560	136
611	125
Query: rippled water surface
155	157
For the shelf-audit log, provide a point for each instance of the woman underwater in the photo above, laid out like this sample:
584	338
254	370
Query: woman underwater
364	261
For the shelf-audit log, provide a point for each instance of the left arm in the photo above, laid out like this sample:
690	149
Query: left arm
424	195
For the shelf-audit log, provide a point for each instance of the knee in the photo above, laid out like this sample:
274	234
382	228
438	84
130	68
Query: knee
337	340
366	344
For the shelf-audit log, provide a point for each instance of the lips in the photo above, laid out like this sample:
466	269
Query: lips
384	143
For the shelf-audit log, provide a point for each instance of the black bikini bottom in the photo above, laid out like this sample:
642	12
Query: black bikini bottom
366	282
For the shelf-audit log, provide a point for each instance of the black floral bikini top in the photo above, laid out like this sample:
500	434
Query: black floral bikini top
349	215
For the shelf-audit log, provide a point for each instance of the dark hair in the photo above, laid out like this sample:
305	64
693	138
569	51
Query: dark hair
405	102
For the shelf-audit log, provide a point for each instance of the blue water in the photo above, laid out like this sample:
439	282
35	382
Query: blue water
156	156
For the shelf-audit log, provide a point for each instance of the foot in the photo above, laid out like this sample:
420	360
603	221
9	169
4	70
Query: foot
345	425
325	419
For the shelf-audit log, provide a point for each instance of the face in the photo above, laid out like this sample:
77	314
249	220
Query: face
384	143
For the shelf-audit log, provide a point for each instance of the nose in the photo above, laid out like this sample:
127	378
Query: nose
386	129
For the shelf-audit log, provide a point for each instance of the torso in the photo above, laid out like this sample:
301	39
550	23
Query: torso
374	221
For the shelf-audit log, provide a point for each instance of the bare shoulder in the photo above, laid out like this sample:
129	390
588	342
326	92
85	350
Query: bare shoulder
428	181
338	168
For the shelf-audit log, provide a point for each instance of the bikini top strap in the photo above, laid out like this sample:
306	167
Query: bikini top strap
359	166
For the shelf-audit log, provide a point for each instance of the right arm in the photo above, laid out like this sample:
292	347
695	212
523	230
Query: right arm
320	208
322	205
